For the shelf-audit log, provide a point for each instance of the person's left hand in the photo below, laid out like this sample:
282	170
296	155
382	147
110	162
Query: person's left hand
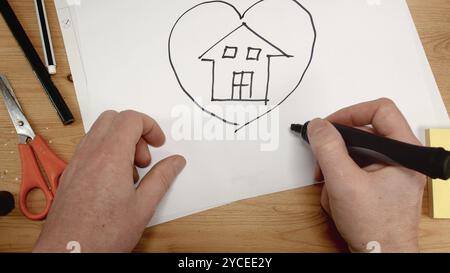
97	204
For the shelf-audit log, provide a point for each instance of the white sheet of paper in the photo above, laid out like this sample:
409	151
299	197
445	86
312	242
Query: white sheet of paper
120	53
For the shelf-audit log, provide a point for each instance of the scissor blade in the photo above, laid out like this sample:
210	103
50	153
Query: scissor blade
8	86
21	124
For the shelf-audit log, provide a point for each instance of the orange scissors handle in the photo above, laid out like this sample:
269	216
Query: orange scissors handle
51	163
32	177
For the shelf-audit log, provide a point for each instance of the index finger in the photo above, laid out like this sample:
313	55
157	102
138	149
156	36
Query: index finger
129	127
382	114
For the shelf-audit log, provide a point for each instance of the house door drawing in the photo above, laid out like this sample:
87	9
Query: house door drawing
242	86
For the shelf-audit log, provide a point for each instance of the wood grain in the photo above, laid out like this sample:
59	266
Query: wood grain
290	221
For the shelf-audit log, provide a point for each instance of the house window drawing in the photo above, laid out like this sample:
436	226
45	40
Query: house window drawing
229	52
253	54
241	66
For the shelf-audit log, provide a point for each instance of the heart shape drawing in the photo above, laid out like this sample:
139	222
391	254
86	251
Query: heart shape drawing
227	59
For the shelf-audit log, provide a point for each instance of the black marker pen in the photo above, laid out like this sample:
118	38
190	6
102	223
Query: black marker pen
433	162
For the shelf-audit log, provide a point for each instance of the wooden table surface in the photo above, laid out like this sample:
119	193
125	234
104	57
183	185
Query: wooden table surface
291	221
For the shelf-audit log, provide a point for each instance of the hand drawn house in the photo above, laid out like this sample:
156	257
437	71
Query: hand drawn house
241	66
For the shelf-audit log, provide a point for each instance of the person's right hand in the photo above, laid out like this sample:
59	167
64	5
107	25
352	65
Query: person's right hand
378	203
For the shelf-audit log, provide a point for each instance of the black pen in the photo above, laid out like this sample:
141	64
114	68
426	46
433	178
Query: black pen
38	67
433	162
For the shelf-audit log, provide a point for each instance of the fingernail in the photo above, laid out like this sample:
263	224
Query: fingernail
316	126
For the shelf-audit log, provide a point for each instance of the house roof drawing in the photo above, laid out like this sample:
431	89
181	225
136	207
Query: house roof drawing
271	49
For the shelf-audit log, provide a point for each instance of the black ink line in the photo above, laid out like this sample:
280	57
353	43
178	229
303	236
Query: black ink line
245	100
251	84
283	54
237	85
303	75
213	79
213	93
268	79
226	56
267	41
249	49
252	6
233	85
228	35
240	85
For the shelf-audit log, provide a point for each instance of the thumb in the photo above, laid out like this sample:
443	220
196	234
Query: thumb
330	150
158	180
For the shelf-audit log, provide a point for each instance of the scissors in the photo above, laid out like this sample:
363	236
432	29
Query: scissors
33	149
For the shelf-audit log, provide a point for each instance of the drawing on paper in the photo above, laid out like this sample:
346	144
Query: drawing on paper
237	58
248	63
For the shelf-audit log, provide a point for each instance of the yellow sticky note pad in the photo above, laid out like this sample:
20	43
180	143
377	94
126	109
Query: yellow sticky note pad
439	190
